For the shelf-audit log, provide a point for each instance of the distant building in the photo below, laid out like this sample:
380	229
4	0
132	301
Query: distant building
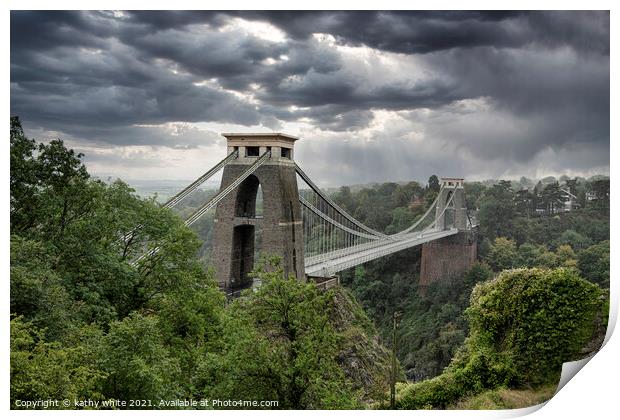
572	203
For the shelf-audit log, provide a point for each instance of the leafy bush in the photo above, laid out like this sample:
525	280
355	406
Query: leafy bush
523	325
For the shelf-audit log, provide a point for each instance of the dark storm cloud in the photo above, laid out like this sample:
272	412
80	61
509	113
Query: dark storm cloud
338	118
118	78
113	85
566	102
211	54
428	31
157	21
413	32
339	93
33	30
173	135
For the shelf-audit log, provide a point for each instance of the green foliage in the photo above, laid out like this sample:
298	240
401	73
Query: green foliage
42	370
84	233
536	215
46	180
76	293
433	183
473	192
547	259
46	188
576	240
601	191
138	363
539	318
523	325
502	254
533	231
37	290
531	237
593	262
497	211
432	327
566	256
279	344
529	254
553	197
402	218
388	207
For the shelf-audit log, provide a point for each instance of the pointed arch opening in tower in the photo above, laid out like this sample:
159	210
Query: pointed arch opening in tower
247	237
449	212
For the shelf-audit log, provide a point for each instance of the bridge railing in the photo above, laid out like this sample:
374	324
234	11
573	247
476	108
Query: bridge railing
426	225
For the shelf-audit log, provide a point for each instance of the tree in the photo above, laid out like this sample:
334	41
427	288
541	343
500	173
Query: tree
23	179
524	200
433	183
571	184
402	218
190	321
497	210
407	194
37	291
529	254
137	361
89	323
280	345
502	254
556	306
72	244
86	233
573	238
547	259
345	199
42	370
47	185
553	197
566	256
473	192
593	262
601	191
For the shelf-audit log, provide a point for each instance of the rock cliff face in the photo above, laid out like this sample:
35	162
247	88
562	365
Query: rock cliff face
365	360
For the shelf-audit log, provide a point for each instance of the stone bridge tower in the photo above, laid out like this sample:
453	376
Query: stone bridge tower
449	258
237	224
455	214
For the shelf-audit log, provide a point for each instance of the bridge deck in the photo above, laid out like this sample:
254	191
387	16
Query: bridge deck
327	266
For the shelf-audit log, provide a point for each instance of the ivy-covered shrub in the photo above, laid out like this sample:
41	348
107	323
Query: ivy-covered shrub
537	318
523	325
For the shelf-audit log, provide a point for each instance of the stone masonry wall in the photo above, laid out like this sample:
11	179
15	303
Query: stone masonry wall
447	258
281	222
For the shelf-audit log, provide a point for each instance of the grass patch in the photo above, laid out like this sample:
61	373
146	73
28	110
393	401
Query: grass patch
506	398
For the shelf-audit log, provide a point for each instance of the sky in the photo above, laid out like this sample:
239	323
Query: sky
373	96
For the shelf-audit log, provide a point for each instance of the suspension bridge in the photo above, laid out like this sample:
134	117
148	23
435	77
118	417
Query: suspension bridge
314	236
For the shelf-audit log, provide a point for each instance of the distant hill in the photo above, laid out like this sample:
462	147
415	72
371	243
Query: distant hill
164	189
